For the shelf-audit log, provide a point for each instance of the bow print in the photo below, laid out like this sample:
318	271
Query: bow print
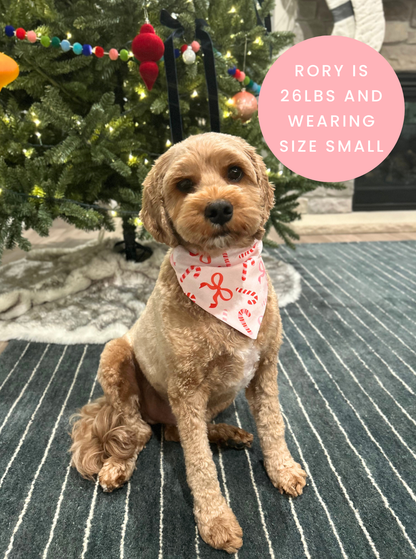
216	284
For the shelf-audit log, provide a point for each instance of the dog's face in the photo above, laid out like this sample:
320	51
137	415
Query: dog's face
209	192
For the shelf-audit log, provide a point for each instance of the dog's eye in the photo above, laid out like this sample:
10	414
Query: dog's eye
235	173
185	185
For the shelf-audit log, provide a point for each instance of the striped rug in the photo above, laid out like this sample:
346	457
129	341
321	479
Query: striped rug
347	389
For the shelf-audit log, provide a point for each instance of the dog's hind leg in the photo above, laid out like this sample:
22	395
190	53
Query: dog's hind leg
110	432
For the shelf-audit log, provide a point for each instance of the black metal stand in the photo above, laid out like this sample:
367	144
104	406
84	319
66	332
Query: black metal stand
133	250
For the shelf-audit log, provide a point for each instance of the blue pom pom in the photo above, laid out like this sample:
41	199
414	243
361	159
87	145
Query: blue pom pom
87	50
231	71
177	53
9	30
65	45
77	48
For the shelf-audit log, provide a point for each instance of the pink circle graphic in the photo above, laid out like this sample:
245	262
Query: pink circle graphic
331	108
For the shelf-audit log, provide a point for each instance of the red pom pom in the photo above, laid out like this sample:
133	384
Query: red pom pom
149	71
147	46
20	33
183	48
237	74
99	52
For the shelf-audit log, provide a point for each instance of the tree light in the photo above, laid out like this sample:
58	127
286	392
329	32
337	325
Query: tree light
111	128
37	134
113	213
142	95
37	122
137	222
168	143
268	171
259	41
230	101
228	55
194	94
232	11
131	157
68	35
146	161
226	114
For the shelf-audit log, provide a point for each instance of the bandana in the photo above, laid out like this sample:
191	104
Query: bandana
232	287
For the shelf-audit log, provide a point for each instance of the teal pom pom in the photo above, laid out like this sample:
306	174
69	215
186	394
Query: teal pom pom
77	48
56	42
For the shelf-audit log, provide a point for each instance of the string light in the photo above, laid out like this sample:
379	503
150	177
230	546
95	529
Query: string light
37	122
226	114
259	41
137	221
146	161
142	95
113	213
228	55
168	143
232	11
68	35
38	134
111	128
130	157
268	171
194	94
230	101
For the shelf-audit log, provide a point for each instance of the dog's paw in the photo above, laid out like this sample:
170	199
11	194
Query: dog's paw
222	532
115	473
291	479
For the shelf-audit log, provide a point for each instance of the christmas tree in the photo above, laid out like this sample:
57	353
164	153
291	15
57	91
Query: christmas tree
79	133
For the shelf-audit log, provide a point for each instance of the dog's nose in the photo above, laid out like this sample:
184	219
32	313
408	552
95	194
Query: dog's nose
219	212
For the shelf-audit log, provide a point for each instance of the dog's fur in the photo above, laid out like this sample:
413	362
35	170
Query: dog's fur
181	366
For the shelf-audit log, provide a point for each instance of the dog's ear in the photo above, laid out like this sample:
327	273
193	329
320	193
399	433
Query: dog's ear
153	213
266	187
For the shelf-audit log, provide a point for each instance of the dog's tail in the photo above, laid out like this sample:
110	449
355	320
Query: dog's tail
99	432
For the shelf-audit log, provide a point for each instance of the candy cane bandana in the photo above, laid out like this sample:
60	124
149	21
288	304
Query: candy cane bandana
232	287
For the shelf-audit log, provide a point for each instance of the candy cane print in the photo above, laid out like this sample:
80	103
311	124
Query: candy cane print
249	251
259	320
262	270
225	315
189	270
249	293
242	320
245	266
191	296
201	257
226	259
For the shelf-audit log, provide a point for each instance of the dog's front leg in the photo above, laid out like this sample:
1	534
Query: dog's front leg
216	522
263	398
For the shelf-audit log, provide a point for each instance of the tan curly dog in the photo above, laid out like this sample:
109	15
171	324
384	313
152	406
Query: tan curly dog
181	366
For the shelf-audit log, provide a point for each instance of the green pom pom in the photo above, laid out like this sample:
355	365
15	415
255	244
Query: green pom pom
124	55
56	42
45	41
246	80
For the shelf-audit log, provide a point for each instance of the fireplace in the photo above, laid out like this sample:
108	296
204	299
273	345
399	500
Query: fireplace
392	185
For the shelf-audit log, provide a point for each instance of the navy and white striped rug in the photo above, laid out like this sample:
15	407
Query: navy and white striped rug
347	389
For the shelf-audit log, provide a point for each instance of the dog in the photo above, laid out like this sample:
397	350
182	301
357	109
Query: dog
207	197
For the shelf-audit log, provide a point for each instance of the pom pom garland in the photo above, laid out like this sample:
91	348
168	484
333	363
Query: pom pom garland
245	80
65	45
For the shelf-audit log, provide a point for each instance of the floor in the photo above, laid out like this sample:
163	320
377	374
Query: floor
336	228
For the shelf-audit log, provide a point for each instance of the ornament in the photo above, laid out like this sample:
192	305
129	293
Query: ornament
148	48
246	105
189	56
195	46
9	70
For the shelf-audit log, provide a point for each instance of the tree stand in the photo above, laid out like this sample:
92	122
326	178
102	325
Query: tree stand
133	250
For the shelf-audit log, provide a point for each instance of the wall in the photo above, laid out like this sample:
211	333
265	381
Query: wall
311	18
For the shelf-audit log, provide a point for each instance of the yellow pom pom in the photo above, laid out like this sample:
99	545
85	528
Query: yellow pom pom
9	70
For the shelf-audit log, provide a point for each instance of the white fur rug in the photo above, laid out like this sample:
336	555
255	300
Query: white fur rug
91	294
